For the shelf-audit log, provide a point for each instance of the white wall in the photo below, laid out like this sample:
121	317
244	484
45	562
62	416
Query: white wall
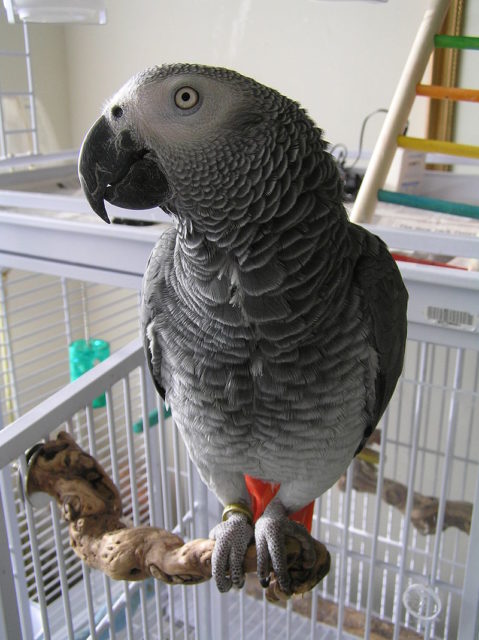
341	60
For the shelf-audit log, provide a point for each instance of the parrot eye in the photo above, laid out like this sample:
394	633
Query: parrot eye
186	98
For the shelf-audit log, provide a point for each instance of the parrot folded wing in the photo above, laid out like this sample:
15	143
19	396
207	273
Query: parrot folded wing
154	283
386	298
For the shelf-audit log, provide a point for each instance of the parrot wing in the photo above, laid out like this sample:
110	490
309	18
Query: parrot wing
385	296
154	283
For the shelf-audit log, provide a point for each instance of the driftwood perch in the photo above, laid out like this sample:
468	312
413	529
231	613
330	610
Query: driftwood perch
425	508
91	504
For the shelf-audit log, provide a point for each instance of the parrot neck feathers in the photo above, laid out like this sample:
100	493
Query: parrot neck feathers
281	211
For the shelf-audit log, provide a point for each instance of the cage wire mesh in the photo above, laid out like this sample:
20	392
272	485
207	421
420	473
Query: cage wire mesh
40	316
65	598
429	450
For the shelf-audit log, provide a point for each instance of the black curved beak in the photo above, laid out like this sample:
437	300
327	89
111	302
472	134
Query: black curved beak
114	167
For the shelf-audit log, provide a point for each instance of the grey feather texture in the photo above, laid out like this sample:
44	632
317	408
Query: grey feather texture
274	327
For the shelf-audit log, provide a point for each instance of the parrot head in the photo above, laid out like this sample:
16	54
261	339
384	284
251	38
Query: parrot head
206	144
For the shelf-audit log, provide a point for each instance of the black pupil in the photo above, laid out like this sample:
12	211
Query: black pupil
117	112
185	96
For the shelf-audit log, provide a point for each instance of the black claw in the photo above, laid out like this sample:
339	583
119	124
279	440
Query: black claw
33	450
264	582
224	588
286	587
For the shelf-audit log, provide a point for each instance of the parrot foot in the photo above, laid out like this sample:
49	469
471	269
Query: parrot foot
270	532
232	539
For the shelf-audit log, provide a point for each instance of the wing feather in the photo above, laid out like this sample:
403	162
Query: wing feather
154	281
385	296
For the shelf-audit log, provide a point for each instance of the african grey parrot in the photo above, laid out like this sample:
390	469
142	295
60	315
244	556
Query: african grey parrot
273	326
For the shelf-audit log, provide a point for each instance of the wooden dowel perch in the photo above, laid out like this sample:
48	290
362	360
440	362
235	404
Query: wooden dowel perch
425	508
91	504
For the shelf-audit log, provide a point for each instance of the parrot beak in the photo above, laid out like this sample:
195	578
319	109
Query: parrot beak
112	166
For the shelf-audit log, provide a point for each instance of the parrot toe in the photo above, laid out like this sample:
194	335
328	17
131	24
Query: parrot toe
231	541
270	546
270	532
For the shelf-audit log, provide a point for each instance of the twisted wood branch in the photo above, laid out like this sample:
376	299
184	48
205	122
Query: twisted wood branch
424	509
91	504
